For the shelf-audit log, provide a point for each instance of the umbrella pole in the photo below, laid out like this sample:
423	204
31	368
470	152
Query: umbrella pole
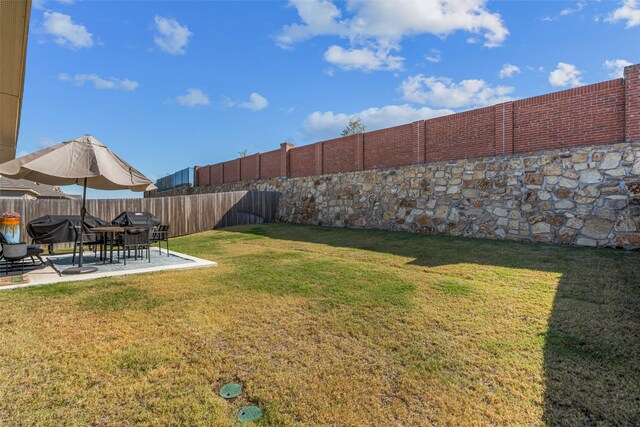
80	269
83	212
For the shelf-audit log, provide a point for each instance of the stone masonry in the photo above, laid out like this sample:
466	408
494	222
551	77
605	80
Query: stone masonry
587	196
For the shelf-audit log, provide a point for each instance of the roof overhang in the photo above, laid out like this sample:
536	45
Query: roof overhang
14	31
22	190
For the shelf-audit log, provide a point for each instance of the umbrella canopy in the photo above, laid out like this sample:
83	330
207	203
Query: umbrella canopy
74	161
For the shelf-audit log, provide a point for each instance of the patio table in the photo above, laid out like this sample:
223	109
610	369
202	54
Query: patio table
114	231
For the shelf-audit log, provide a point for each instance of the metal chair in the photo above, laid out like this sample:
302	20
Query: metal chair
138	240
158	235
12	254
90	239
32	250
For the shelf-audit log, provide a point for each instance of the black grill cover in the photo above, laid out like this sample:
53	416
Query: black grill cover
136	219
60	228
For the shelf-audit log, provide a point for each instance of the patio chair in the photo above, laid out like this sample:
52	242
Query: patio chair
158	235
136	239
89	239
18	252
32	250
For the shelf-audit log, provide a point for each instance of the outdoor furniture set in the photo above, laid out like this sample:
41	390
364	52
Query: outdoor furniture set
127	238
130	233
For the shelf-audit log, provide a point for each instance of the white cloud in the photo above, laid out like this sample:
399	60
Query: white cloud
40	4
328	124
616	67
256	102
433	56
629	11
99	82
444	92
66	32
375	28
193	98
565	75
319	17
172	37
508	70
580	5
363	59
569	11
393	20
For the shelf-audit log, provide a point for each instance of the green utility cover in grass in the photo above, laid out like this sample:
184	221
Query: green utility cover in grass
230	391
249	414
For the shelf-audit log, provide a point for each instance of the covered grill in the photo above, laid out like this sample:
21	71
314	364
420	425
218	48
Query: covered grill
50	229
136	219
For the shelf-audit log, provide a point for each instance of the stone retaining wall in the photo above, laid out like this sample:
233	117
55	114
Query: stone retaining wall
586	196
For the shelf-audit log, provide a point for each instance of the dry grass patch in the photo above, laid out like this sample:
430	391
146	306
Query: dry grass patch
333	327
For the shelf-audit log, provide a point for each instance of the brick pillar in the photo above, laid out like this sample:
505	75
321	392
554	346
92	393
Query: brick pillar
221	173
224	178
257	166
359	160
419	135
319	159
197	176
425	130
239	169
632	103
503	134
284	159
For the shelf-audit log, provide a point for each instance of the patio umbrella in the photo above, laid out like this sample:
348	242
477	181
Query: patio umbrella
84	161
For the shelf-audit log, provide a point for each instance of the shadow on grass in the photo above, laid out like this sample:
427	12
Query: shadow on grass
591	347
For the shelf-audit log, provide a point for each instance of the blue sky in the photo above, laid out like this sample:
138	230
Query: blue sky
169	85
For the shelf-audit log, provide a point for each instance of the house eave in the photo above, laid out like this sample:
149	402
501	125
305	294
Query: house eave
14	31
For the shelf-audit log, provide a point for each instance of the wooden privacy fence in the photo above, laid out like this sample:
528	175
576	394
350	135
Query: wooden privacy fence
184	214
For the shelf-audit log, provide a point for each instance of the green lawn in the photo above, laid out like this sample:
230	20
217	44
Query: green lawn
333	327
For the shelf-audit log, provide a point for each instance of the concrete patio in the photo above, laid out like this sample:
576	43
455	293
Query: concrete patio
50	272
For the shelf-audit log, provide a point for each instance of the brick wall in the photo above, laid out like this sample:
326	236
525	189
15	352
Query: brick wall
606	112
582	116
303	160
459	136
390	147
250	167
339	154
215	174
202	176
632	102
270	164
231	171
